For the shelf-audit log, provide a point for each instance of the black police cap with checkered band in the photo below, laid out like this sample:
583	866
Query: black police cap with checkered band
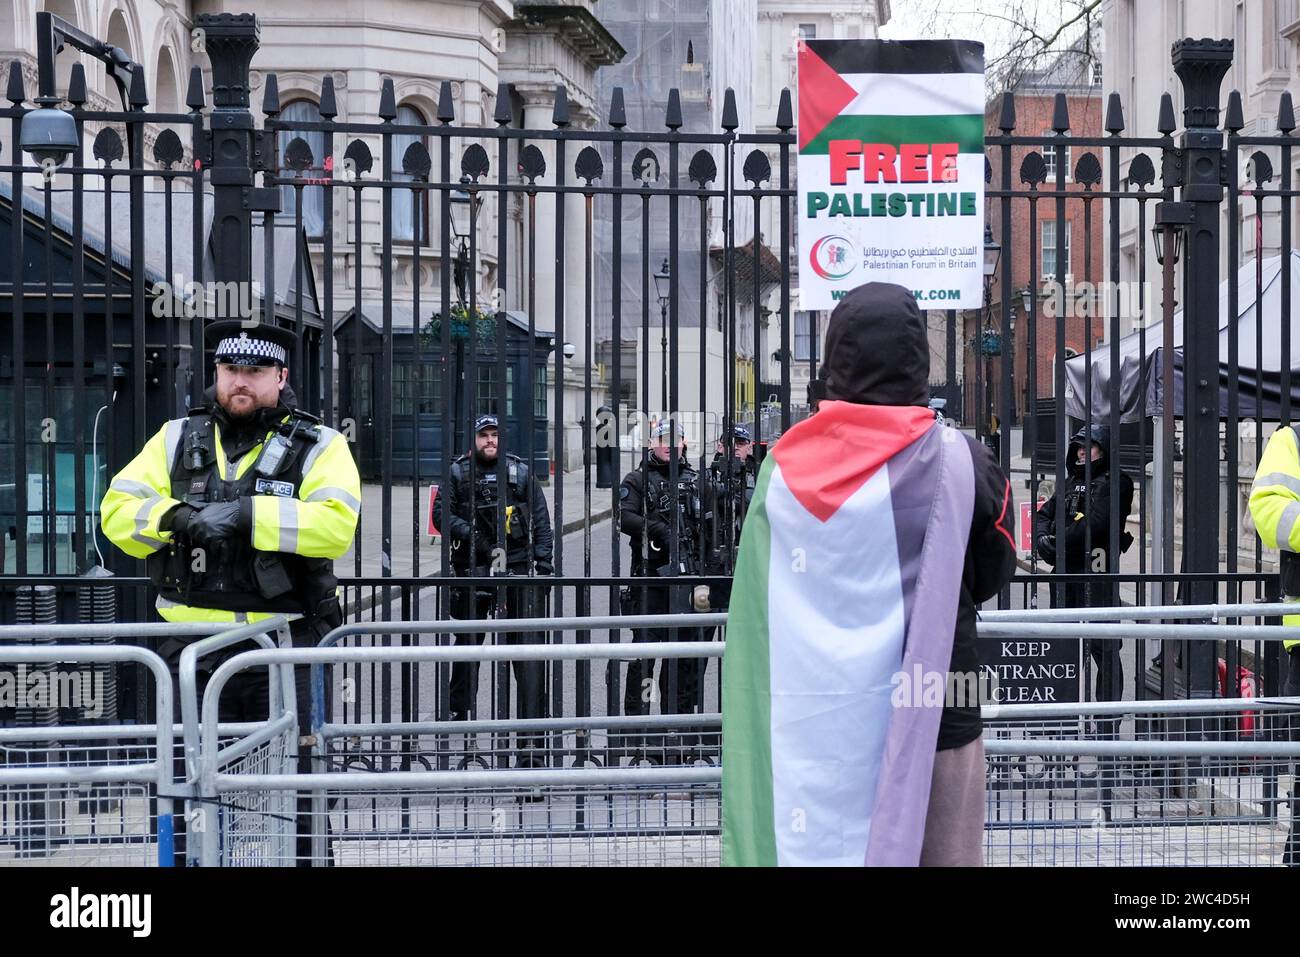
258	345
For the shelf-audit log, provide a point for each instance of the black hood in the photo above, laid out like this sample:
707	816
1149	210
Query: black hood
1098	434
877	352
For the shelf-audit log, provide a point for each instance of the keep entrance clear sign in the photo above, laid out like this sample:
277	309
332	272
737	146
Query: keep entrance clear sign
891	169
1028	672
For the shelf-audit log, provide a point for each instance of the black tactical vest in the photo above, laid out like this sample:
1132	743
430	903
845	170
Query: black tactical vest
478	500
232	575
657	502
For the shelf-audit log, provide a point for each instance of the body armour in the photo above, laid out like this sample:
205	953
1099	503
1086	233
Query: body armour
232	575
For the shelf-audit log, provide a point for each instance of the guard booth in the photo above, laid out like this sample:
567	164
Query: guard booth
419	391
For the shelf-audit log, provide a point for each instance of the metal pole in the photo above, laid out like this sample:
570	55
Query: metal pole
1201	65
231	41
663	353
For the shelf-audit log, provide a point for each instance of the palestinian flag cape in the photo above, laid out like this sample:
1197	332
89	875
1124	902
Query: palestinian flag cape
849	573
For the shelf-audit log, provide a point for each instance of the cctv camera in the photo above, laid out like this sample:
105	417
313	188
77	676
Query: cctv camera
49	135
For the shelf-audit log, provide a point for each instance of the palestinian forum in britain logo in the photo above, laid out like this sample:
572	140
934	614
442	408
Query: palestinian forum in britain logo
832	257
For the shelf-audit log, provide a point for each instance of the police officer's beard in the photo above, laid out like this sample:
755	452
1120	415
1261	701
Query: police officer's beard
482	458
244	425
245	413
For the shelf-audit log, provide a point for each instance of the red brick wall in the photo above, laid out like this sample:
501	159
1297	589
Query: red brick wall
1086	255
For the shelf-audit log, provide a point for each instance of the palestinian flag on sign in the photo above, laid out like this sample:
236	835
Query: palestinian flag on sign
893	92
849	573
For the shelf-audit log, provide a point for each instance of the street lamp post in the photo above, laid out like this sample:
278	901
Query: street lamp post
1028	403
464	213
950	363
1169	231
992	253
663	288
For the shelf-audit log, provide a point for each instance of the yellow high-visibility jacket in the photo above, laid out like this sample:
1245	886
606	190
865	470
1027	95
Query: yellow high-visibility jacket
1275	500
318	523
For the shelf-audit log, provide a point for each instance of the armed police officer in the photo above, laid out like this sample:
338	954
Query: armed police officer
1087	504
239	510
733	475
667	535
734	471
473	499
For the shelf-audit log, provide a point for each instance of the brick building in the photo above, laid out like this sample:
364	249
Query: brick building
1033	251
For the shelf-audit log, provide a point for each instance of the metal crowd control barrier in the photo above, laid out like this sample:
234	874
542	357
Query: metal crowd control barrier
581	814
1125	799
88	794
1144	612
1173	783
99	794
272	748
1199	781
1190	782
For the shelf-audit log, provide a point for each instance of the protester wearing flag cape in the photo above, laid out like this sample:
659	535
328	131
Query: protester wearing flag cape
873	534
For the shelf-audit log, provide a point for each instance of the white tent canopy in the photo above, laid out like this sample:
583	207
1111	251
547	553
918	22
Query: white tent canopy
1141	355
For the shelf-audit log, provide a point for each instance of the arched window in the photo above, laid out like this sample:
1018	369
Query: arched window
166	92
313	197
406	212
119	35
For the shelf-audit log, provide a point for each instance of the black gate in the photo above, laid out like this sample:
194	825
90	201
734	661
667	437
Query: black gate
1171	383
104	347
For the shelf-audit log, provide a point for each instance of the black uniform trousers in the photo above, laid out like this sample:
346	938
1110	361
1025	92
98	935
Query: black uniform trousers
679	688
522	601
247	697
1107	666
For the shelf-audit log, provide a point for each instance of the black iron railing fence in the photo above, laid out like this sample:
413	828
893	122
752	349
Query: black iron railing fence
153	214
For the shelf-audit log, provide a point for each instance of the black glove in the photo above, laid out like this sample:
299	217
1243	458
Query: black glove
544	566
1046	545
482	548
177	519
657	531
214	522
